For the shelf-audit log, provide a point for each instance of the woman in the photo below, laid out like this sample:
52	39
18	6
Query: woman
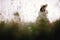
42	13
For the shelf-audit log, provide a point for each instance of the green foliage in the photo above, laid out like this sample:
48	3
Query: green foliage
56	29
31	31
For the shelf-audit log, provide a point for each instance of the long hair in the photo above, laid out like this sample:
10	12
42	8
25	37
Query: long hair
43	8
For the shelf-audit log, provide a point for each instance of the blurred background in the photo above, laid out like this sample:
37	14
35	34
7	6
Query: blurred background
23	20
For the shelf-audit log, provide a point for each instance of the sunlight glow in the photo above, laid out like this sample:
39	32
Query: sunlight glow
28	9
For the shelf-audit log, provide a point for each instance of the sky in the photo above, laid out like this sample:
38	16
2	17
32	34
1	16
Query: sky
28	9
